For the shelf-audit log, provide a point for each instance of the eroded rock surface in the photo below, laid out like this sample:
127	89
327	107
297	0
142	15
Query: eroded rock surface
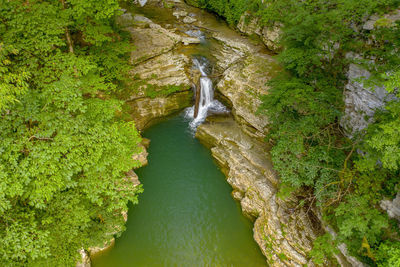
283	230
392	207
362	101
146	110
269	34
243	84
160	83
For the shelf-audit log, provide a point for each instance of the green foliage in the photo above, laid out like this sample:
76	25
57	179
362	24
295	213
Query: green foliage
304	107
356	220
153	91
324	247
63	151
231	10
12	82
388	254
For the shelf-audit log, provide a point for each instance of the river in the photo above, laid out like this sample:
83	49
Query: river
186	215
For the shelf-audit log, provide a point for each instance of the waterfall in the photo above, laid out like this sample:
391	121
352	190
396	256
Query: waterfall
207	102
142	2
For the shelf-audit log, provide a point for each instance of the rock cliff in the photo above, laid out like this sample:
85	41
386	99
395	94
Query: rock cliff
160	84
283	230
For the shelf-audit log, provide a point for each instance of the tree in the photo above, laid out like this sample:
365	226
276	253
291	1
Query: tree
64	151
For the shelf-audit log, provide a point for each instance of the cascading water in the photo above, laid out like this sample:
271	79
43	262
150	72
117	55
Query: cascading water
207	102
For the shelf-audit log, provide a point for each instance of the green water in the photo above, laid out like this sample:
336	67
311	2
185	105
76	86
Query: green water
186	215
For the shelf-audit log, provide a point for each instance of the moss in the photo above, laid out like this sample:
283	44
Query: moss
282	257
283	227
154	91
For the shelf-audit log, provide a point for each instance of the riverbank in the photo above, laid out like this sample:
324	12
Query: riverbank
240	69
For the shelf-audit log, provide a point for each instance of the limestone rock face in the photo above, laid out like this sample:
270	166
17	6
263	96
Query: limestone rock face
151	42
248	25
242	84
160	82
270	37
361	100
163	70
392	207
145	110
390	18
283	231
268	34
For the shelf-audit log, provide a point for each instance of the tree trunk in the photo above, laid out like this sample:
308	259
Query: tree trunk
67	34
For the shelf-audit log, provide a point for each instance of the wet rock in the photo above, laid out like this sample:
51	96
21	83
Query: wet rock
106	245
190	40
189	19
283	231
142	19
179	14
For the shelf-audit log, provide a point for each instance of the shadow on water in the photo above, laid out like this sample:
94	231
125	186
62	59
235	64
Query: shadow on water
186	215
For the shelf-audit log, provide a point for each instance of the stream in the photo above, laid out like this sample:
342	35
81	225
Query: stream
186	215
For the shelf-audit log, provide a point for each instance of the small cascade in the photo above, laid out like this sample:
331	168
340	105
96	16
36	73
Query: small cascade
197	33
206	102
142	2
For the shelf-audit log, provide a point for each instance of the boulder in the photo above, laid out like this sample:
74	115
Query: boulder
190	40
179	13
189	19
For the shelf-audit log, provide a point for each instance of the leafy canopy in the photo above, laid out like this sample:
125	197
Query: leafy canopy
64	151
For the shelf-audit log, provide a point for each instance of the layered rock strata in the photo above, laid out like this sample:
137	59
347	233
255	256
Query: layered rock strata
283	230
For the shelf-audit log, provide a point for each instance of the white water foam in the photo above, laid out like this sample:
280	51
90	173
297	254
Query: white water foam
197	33
207	102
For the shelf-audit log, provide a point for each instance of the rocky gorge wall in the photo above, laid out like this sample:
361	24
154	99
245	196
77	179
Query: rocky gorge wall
160	85
283	230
